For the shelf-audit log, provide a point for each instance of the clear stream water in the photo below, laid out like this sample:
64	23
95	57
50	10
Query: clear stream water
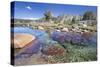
44	39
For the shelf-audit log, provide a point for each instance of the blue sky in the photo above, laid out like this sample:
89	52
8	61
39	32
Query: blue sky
29	10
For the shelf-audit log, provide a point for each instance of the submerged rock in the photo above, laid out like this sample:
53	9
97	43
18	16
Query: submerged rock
20	40
86	38
29	50
53	50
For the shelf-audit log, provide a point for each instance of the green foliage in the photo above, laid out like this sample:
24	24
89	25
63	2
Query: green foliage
73	20
48	15
80	53
60	59
88	15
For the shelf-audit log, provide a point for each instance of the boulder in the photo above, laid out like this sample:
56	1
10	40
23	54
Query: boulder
65	30
19	40
40	28
53	50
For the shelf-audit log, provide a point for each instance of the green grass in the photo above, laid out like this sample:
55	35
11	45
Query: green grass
80	53
76	53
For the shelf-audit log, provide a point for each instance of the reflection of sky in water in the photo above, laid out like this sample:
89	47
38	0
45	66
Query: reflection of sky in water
27	30
42	36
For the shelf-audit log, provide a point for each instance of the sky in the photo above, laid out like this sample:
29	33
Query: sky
33	10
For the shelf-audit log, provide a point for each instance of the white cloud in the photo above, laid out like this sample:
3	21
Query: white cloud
28	7
33	18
